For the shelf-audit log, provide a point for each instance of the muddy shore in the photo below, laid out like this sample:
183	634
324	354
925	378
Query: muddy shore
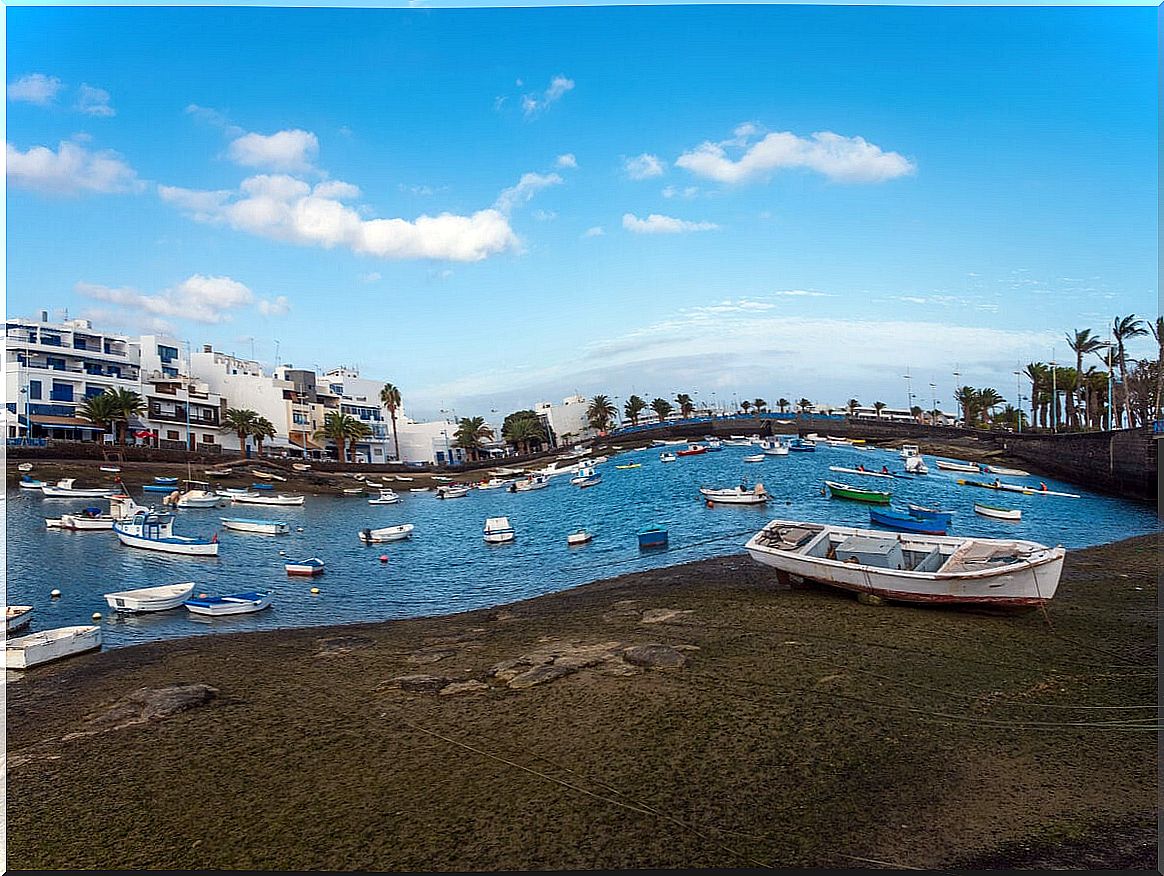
762	726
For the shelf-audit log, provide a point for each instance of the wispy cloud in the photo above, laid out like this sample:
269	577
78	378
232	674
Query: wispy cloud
528	186
658	224
802	293
595	231
533	104
292	151
36	88
198	298
643	166
567	160
214	118
370	277
686	192
94	101
839	158
70	170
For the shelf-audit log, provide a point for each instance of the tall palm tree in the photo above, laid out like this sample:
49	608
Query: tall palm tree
261	429
967	398
1039	375
917	412
1081	342
390	398
523	432
126	403
758	404
601	413
471	431
338	428
852	406
1157	328
1124	329
239	421
663	408
986	400
355	430
100	409
805	405
783	404
878	406
686	405
745	406
633	409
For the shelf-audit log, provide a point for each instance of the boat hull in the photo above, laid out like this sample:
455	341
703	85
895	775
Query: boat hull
191	547
907	523
872	497
391	533
17	617
240	603
150	598
34	649
267	500
998	513
263	527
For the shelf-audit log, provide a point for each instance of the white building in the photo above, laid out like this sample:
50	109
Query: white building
50	368
360	398
566	419
432	442
241	384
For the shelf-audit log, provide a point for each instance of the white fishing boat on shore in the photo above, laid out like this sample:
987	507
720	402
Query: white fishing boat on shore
498	530
66	489
154	531
47	645
261	499
301	466
111	469
218	473
386	534
144	599
248	524
235	603
911	568
16	618
741	495
266	475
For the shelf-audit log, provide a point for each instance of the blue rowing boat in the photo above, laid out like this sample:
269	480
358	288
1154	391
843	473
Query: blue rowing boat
921	512
652	537
905	522
158	488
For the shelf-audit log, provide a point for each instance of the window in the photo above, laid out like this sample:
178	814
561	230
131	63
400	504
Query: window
91	391
169	372
172	434
34	389
55	363
207	439
62	392
92	368
114	370
167	354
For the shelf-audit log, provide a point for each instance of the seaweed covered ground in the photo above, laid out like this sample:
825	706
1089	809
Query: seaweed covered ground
692	716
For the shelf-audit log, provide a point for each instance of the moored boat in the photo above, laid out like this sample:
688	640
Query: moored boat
198	494
258	499
143	599
498	530
301	466
387	496
451	491
924	512
234	603
1003	470
386	534
247	524
24	466
37	648
1017	488
908	450
858	494
911	568
587	476
166	481
652	537
667	457
266	475
631	465
579	537
946	465
154	531
111	469
741	495
311	566
759	457
533	482
916	465
801	445
491	484
27	483
774	447
692	450
90	519
906	522
997	513
66	489
16	617
159	488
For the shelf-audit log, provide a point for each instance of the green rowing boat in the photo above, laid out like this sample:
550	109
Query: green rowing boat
857	494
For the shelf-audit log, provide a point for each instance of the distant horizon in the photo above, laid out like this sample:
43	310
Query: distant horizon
774	200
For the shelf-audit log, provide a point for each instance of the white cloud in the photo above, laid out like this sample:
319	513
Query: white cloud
283	208
531	104
292	151
337	190
370	277
596	231
841	159
687	192
545	215
643	166
277	306
35	88
197	298
94	101
529	185
567	160
656	224
801	293
214	118
71	170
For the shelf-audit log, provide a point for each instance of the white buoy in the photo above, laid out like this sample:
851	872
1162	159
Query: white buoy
314	589
96	615
55	594
282	553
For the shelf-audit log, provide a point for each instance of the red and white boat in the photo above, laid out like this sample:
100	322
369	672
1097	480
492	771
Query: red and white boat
311	566
692	450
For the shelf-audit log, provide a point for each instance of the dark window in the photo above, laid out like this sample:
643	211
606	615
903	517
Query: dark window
167	354
91	391
62	392
172	434
34	390
55	363
207	439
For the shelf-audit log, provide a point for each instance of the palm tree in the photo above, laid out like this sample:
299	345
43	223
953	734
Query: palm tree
633	408
390	398
917	412
261	429
338	427
805	405
126	404
524	431
879	406
986	400
783	404
356	430
663	408
1157	328
100	409
967	398
1124	329
758	404
239	421
470	433
601	413
745	406
686	406
1039	375
852	406
1081	342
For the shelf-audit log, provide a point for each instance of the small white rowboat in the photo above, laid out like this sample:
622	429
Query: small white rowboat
259	499
388	533
161	598
578	538
312	566
263	527
16	617
998	513
37	648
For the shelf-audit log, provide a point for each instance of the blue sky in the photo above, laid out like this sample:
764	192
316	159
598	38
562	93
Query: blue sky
491	207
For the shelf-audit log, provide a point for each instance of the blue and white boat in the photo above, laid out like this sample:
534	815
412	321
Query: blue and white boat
652	537
800	445
159	488
27	483
309	567
923	512
154	531
587	476
272	486
167	481
498	530
235	603
906	522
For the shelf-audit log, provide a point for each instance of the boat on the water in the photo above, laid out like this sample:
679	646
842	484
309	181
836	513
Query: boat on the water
946	465
353	491
916	465
159	488
66	489
858	494
386	534
1003	470
741	495
259	499
312	566
37	648
143	599
906	522
387	496
774	447
111	469
261	486
451	491
491	484
631	465
911	568
997	513
578	537
1016	488
27	483
234	603
908	450
533	482
90	519
16	617
652	537
801	445
154	531
198	494
692	450
924	512
248	524
759	457
498	530
166	481
666	456
587	476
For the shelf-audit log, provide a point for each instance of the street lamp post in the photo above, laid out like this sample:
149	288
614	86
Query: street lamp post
1054	396
933	402
1018	390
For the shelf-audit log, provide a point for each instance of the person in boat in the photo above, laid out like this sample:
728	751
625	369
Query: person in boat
885	469
860	466
1043	486
997	483
367	535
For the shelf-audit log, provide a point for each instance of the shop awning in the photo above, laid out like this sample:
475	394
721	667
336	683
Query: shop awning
48	421
302	439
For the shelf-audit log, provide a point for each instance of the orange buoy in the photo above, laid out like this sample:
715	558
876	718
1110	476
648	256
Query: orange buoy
383	558
710	504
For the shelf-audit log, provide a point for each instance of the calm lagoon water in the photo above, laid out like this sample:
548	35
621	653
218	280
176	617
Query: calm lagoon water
446	567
